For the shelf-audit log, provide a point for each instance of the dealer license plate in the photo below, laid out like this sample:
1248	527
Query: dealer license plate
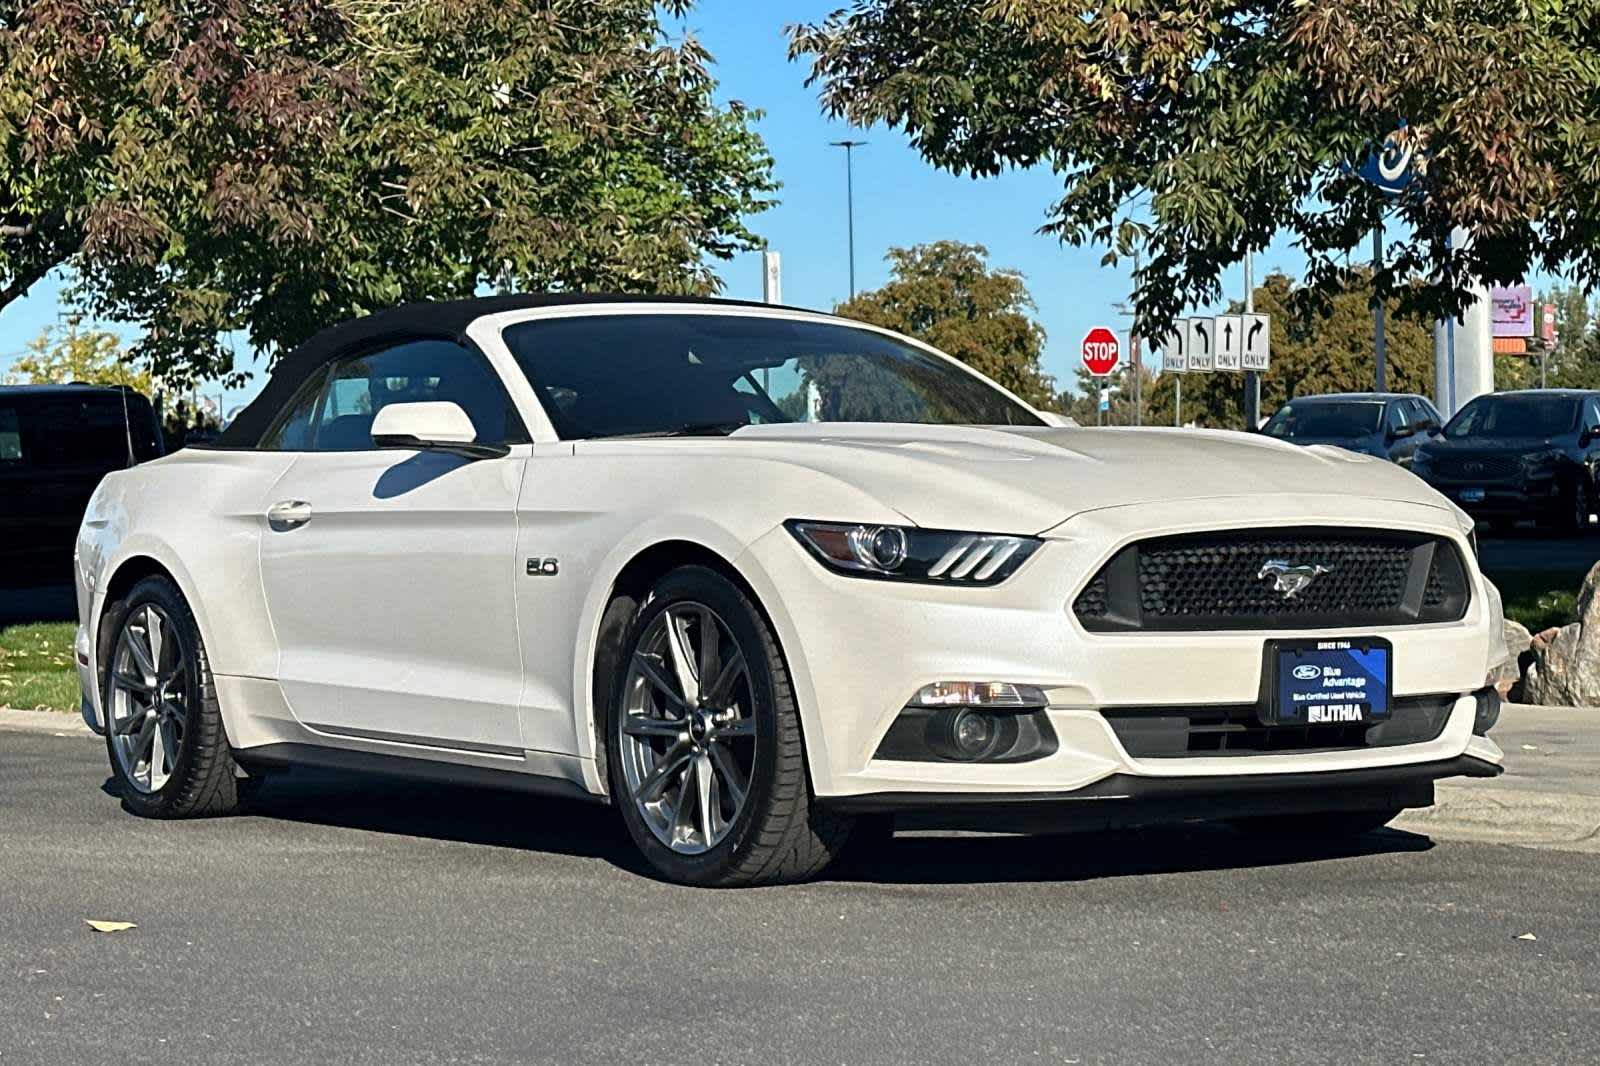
1330	681
1472	495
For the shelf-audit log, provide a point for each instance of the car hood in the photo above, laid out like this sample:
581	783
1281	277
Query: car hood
1361	444
1485	446
1026	480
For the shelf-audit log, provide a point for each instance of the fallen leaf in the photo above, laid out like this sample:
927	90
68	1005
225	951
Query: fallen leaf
108	927
1527	936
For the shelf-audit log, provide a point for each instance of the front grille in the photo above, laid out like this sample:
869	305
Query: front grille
1229	580
1476	468
1176	732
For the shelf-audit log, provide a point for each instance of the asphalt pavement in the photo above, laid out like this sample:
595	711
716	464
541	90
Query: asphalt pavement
361	920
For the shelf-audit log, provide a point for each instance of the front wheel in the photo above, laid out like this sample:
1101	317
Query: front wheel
1328	824
705	756
169	753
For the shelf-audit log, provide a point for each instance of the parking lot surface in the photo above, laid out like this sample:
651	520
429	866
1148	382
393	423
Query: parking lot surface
360	920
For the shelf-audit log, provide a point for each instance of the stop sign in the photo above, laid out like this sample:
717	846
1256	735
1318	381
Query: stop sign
1100	351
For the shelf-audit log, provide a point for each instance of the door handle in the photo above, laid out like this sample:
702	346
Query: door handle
288	514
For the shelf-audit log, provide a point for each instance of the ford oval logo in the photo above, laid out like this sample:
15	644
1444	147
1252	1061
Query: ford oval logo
1307	672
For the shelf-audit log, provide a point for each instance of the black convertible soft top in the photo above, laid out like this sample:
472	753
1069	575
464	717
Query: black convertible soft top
442	318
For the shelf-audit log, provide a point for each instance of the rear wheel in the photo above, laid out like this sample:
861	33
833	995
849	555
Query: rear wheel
169	753
1582	505
705	756
1311	826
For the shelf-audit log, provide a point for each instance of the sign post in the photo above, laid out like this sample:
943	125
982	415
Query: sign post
1100	357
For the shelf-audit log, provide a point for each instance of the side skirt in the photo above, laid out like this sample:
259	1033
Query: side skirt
286	755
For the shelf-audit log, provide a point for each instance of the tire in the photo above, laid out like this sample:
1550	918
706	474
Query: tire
1580	507
775	832
202	779
1327	825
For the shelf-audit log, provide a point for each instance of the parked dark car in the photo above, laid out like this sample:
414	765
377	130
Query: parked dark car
56	443
1515	455
1386	424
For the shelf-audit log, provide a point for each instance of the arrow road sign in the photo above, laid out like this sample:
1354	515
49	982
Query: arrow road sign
1257	341
1201	354
1173	360
1229	337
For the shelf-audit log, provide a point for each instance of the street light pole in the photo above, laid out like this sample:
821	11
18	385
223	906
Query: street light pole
850	202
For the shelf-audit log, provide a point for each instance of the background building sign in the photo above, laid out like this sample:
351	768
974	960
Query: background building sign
1512	311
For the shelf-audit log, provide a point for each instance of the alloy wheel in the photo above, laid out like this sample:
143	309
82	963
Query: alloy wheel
150	698
688	731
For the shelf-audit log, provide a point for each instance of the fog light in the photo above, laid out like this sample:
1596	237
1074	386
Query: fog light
972	734
998	694
1488	711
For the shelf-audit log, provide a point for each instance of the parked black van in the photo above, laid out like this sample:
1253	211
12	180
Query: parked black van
56	443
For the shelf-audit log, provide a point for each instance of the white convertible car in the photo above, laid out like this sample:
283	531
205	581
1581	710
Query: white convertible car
763	578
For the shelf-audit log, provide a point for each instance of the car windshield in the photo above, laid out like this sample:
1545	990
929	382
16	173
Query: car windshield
1325	420
660	374
1508	415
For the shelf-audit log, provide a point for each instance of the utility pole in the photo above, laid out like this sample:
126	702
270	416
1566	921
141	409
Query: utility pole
1252	378
1380	344
850	202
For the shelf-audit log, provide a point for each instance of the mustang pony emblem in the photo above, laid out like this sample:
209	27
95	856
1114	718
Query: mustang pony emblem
1290	579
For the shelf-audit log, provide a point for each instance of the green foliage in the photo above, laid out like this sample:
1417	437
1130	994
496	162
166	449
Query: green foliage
946	294
223	165
36	670
1312	353
59	356
1195	129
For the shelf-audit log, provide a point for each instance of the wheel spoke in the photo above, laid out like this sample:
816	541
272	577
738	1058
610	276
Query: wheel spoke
722	688
157	637
125	680
158	753
702	788
657	779
639	725
683	659
731	777
659	682
173	712
134	719
739	727
710	645
142	744
141	655
681	804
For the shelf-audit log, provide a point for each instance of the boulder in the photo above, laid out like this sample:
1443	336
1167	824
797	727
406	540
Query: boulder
1565	667
1519	643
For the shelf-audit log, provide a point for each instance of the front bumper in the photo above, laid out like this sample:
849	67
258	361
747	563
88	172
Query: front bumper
1516	499
857	650
1129	801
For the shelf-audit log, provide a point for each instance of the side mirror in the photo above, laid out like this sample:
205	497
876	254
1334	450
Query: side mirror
435	426
1586	435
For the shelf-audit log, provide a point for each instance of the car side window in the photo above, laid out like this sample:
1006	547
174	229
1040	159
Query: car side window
412	372
1591	415
1396	418
291	432
10	436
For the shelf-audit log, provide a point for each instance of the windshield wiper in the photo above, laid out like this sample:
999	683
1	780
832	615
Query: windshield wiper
688	429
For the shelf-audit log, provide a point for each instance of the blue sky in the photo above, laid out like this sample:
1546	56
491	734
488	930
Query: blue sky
900	200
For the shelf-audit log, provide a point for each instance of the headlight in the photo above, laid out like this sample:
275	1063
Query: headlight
906	553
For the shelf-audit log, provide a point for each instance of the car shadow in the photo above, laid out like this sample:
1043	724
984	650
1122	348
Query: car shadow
533	823
921	858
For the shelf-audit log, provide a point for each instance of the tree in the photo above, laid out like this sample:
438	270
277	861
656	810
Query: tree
1312	353
946	294
223	165
1196	130
95	357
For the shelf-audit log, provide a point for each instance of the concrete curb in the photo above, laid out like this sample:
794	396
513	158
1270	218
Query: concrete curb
1481	812
58	723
